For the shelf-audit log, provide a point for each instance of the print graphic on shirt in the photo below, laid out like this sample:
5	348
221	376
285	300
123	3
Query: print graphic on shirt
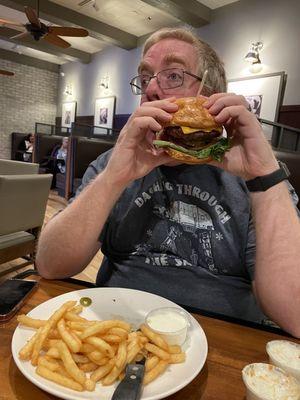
219	236
186	190
189	216
169	243
181	237
184	233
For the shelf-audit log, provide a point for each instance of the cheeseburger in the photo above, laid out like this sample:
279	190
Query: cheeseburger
192	136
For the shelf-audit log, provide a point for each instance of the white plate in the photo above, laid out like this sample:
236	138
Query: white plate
132	306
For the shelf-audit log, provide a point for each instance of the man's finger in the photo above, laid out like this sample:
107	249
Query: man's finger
140	126
214	97
226	101
156	113
235	112
166	104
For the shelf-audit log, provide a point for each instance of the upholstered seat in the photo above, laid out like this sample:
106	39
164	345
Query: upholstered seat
23	200
14	239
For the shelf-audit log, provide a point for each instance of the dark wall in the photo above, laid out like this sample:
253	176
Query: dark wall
290	115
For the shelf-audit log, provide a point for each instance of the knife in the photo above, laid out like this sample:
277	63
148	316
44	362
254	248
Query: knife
130	388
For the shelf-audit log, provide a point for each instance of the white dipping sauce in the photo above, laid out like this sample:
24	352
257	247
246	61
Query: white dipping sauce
264	381
170	323
286	355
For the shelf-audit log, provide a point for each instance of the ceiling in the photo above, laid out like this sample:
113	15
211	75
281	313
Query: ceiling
123	23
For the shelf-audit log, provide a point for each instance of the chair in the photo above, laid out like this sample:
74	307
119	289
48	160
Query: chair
23	199
11	167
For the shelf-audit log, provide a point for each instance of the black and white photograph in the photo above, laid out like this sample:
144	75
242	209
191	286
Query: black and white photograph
103	116
255	102
68	114
104	112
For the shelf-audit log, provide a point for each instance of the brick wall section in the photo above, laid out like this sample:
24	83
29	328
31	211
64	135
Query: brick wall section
27	97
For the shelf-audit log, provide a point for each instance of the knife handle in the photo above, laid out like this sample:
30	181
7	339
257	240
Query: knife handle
130	387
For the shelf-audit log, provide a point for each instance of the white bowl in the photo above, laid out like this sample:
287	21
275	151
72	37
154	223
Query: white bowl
286	355
169	322
267	382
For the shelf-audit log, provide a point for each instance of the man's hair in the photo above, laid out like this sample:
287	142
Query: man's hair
207	57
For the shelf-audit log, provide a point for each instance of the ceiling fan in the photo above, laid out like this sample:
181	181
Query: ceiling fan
5	72
38	29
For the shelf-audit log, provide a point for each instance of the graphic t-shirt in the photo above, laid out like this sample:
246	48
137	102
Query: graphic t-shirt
184	233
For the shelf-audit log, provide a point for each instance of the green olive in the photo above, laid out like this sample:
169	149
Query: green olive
85	301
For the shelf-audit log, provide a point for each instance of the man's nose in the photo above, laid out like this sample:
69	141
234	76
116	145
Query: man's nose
153	91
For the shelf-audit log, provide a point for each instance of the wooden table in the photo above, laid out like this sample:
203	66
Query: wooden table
231	346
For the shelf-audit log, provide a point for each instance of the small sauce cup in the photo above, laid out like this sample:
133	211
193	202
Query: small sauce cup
286	355
170	322
267	382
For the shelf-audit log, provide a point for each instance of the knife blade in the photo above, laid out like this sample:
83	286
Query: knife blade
130	388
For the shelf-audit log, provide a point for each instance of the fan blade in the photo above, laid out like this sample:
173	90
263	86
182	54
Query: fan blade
20	35
31	15
68	31
8	73
10	22
57	41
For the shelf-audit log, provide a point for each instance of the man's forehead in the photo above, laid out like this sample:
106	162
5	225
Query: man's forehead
167	60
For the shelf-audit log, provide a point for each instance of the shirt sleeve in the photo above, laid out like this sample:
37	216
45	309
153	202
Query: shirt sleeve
251	240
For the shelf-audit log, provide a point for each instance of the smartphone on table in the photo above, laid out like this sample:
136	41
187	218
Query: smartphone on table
13	293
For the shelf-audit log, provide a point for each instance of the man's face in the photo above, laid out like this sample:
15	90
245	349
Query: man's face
170	53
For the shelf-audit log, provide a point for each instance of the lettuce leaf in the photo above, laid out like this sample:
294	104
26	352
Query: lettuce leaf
215	151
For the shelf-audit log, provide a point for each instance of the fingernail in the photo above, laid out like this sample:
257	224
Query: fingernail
206	104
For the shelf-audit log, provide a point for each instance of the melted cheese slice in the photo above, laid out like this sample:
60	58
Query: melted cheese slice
186	130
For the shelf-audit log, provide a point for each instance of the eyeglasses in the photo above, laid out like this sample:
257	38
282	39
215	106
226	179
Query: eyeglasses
166	79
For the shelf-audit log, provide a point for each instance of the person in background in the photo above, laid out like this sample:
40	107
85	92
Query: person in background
25	148
140	207
61	156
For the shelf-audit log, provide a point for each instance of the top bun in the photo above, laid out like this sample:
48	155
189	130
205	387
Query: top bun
192	113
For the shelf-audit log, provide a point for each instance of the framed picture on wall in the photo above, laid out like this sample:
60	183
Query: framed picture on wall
68	113
264	93
104	112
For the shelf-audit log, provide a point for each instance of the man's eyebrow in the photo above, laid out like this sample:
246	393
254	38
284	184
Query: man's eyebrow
144	66
174	58
168	59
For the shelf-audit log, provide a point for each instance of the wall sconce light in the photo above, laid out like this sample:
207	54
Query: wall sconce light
104	82
256	67
253	57
253	54
68	90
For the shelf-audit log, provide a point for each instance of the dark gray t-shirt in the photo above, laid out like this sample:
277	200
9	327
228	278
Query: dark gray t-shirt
184	233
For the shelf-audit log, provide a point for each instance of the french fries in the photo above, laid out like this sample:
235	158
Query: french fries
77	353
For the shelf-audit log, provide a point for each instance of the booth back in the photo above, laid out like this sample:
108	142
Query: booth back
45	145
292	160
84	151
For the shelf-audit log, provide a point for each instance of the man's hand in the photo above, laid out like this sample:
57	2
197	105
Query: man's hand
251	154
134	155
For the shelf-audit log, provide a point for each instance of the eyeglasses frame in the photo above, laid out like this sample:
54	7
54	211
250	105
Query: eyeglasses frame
155	76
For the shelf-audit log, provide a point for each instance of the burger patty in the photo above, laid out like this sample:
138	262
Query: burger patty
176	131
196	140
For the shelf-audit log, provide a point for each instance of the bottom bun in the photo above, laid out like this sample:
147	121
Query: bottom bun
186	158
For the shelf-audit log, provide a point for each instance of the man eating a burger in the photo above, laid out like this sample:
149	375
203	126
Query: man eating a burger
177	212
